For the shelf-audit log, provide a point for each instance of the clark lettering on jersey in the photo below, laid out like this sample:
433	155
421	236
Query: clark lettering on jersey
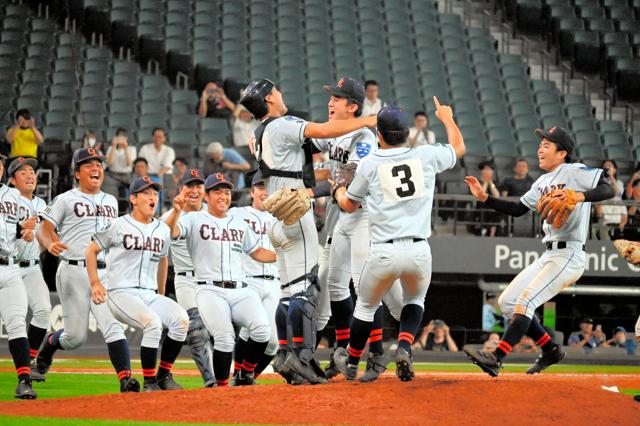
9	208
547	189
86	210
338	153
132	242
211	233
255	227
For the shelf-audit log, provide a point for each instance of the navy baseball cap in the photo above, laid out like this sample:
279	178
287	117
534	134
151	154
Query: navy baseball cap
85	154
20	162
560	136
257	179
192	175
217	179
587	321
142	183
348	88
393	118
619	329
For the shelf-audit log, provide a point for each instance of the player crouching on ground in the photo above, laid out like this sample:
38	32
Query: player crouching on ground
563	197
137	246
217	241
397	182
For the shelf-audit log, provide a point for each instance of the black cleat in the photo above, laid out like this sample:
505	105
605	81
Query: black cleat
404	365
340	357
45	356
25	391
244	379
129	384
36	376
376	365
637	398
547	359
151	386
305	370
166	382
331	371
487	361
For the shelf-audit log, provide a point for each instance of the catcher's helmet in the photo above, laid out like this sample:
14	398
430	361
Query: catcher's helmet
253	95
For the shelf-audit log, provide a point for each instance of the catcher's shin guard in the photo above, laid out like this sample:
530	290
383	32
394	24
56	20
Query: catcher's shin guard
307	303
198	341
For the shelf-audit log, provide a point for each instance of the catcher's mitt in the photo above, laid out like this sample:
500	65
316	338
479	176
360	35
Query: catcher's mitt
630	250
288	205
557	205
345	173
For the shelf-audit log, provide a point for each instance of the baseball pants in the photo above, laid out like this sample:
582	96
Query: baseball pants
72	283
13	302
220	308
542	280
149	312
403	259
324	305
185	291
269	292
38	295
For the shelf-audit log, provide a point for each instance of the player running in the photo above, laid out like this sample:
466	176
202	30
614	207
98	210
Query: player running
396	182
563	262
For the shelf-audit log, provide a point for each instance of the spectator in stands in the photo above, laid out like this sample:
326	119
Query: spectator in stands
619	340
491	321
587	338
436	337
489	186
372	104
24	136
159	159
419	134
519	183
526	345
227	161
491	343
243	126
214	103
611	217
140	167
632	230
634	177
120	156
180	165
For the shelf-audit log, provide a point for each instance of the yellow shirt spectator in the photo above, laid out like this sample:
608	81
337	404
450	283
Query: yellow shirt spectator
24	143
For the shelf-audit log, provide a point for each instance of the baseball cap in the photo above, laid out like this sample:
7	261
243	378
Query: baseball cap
347	87
85	154
619	329
192	175
560	136
257	179
587	321
217	179
142	183
20	162
393	118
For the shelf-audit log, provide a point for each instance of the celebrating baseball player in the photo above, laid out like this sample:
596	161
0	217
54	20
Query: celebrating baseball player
13	294
138	246
563	197
216	242
285	158
22	176
198	338
65	231
396	182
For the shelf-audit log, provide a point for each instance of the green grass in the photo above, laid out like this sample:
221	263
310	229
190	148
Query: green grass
55	421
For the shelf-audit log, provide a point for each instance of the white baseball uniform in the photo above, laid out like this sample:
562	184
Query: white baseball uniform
397	183
263	278
217	246
134	250
77	216
558	267
28	255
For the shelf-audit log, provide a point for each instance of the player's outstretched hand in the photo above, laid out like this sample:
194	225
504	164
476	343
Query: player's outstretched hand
444	113
27	234
180	200
476	188
30	223
98	293
57	247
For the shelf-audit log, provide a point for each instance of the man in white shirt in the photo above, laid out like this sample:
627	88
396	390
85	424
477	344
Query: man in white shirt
419	134
243	126
120	156
159	158
371	104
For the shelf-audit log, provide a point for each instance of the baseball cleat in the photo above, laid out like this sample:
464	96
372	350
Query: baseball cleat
404	365
129	384
487	361
637	398
166	382
306	371
376	365
340	357
36	376
25	391
283	370
547	359
244	379
210	384
331	371
45	356
151	386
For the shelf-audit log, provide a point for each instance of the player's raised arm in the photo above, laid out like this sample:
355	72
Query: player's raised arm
503	206
454	136
178	205
98	292
335	128
48	238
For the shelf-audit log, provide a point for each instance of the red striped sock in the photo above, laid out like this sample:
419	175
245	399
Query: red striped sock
248	367
148	373
354	355
223	382
23	372
503	349
545	342
376	335
33	353
124	374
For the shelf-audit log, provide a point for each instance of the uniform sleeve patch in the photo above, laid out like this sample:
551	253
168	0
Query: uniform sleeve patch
363	149
292	118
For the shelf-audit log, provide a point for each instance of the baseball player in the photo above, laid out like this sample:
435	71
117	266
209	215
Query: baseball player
65	231
198	338
263	278
396	182
13	295
138	246
216	241
285	159
22	176
350	234
563	262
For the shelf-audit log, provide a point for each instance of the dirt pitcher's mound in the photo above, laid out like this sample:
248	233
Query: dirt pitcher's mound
429	399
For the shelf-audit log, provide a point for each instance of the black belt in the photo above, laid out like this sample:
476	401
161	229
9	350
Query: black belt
559	245
101	264
185	274
415	240
7	261
264	277
27	263
223	284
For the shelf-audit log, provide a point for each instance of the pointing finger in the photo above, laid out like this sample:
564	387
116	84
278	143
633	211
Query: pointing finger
435	101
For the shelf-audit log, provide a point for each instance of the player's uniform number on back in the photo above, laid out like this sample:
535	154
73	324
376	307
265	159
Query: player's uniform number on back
401	181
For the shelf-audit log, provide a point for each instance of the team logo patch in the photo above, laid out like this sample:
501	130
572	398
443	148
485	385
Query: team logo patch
363	149
21	159
219	176
146	179
91	151
341	82
195	173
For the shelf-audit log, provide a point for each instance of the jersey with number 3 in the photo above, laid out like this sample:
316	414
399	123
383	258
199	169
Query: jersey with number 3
398	184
